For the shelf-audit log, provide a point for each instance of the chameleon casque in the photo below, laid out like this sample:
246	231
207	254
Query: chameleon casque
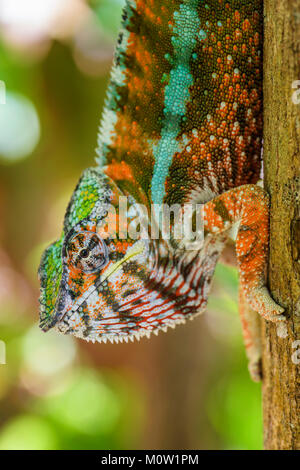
182	124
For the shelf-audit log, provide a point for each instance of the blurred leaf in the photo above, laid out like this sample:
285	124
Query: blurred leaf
234	407
18	117
88	405
28	432
47	354
226	277
109	14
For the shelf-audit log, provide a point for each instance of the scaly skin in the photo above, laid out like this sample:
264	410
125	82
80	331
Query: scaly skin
182	124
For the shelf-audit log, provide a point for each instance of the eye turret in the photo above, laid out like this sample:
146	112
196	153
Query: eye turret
87	251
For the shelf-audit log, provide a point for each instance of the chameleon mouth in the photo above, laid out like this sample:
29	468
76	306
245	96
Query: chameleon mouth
137	249
63	316
115	338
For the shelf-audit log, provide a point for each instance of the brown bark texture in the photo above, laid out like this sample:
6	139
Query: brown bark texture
281	349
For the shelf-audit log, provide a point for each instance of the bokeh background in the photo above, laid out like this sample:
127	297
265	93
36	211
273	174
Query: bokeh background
185	389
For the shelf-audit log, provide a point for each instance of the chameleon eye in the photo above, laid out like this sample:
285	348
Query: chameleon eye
87	252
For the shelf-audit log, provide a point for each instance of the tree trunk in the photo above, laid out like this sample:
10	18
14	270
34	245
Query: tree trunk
281	349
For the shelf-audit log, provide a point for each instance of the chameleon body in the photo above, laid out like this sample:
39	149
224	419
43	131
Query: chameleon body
182	124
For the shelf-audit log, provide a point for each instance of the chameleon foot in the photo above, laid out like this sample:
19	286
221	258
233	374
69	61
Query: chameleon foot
262	302
247	205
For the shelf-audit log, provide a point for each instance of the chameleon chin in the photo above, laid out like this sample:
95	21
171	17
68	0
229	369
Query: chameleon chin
182	124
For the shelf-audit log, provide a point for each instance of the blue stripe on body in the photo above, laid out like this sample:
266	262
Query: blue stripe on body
177	94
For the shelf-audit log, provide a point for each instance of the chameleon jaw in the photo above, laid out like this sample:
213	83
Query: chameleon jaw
60	318
142	333
138	335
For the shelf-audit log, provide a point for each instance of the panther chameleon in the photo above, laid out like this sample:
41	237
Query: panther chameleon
182	124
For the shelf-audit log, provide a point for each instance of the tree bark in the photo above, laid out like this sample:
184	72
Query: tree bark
281	349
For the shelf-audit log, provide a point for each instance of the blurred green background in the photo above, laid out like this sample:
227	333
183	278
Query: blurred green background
186	389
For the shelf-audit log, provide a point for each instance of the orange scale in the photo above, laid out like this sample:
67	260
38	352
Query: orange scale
237	16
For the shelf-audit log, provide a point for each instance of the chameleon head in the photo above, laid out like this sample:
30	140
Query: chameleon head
90	277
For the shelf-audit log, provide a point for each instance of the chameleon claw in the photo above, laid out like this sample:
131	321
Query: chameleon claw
275	318
263	303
